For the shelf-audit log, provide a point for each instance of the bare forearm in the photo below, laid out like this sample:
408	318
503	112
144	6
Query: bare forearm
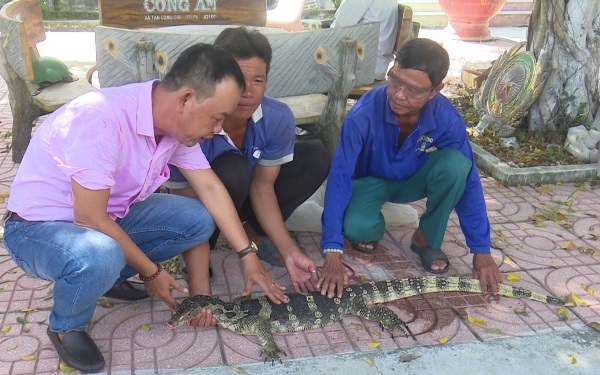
197	260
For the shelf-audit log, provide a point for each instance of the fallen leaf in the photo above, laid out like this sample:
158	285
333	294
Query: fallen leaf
476	321
28	310
239	370
508	260
591	252
573	359
11	348
495	331
28	357
21	320
4	286
443	340
369	362
569	245
373	344
595	325
145	328
590	290
563	314
521	311
66	368
576	300
6	329
513	277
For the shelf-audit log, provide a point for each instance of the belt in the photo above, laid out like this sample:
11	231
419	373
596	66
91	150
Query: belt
11	216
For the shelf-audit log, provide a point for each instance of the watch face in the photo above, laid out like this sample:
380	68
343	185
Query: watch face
254	247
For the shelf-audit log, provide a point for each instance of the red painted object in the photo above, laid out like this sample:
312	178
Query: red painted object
471	18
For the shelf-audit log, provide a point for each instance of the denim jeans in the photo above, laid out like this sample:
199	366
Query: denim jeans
84	263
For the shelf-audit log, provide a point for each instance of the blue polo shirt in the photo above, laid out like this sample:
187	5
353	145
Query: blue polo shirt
368	147
269	140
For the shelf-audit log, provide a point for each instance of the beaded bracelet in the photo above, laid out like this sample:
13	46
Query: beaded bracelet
339	251
150	278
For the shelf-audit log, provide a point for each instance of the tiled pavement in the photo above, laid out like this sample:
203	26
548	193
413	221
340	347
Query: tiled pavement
540	233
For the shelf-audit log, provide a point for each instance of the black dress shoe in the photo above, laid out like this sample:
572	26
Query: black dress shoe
78	350
126	292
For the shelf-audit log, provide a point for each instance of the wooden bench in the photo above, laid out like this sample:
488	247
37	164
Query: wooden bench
22	29
305	65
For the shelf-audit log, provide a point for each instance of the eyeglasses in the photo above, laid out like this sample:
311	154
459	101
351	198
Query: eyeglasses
411	92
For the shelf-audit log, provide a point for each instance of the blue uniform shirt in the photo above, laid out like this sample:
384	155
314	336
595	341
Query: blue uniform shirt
368	147
269	140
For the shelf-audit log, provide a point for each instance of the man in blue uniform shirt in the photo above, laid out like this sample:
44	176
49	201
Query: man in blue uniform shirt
265	170
400	143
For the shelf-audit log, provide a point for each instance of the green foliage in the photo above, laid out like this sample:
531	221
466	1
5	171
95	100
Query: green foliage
580	118
336	3
62	10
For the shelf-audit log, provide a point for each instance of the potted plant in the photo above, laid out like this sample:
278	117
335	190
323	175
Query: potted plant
471	18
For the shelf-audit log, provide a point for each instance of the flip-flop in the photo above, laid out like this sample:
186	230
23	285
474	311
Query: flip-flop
267	253
366	247
428	255
78	350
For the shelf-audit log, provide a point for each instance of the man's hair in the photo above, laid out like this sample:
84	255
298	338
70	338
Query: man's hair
245	44
425	55
202	67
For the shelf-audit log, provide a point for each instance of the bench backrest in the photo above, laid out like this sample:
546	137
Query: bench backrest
136	14
303	62
22	20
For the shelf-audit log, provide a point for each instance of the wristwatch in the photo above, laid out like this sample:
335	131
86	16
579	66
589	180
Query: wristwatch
251	248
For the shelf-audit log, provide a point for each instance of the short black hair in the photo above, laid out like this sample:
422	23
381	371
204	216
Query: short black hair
244	44
202	67
425	55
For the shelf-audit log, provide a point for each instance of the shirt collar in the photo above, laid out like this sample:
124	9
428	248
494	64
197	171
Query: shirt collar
258	114
144	120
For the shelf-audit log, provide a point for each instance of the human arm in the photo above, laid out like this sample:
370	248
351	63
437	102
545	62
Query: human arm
300	267
90	211
214	196
337	197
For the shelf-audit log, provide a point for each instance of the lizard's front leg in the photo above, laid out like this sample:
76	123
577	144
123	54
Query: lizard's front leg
387	318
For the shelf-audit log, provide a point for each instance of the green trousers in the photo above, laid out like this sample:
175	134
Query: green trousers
441	180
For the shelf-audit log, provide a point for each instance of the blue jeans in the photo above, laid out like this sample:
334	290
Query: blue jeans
84	263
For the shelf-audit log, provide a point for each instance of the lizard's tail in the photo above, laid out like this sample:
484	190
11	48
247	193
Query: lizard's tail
391	290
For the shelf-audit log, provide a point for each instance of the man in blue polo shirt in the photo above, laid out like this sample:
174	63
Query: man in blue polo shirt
266	171
400	143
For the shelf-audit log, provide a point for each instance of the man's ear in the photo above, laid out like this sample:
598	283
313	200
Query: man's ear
436	90
184	97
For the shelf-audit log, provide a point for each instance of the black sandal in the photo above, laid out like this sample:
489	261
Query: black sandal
428	255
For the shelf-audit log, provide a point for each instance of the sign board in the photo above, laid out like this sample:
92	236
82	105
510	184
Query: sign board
134	14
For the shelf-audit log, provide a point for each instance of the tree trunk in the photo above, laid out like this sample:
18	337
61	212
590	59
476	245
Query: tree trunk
564	35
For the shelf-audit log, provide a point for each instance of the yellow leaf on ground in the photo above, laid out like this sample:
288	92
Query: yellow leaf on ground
28	310
521	311
563	314
6	329
577	301
591	252
145	328
369	362
509	260
239	370
28	357
513	277
4	286
590	291
573	359
495	331
373	344
443	340
66	368
476	321
569	245
11	348
595	325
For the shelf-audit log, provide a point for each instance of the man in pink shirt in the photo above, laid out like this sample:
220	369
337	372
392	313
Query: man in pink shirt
83	212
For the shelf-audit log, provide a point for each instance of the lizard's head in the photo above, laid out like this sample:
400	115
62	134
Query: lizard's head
189	308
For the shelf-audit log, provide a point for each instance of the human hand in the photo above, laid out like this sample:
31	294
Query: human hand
302	271
160	287
333	276
255	273
486	270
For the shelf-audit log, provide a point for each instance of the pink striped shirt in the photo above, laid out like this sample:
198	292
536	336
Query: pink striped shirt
103	140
